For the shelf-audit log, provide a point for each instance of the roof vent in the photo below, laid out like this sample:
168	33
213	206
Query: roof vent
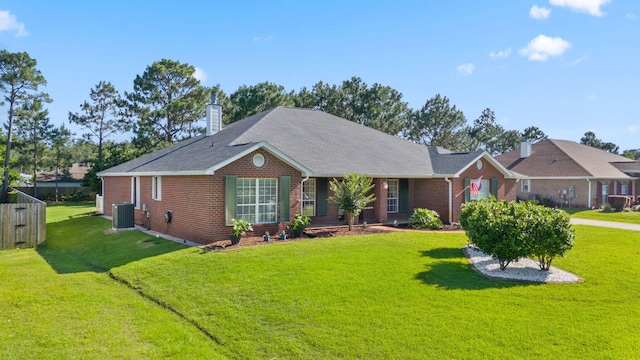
525	149
214	116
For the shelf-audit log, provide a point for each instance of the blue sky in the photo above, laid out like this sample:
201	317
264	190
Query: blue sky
566	66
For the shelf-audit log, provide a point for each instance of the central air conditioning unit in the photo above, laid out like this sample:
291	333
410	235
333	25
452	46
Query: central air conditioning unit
122	216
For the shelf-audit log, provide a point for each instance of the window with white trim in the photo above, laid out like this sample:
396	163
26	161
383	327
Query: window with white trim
156	188
309	198
483	193
525	185
605	193
135	191
623	188
257	200
392	195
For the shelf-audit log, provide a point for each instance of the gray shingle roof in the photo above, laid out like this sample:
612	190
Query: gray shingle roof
322	144
562	158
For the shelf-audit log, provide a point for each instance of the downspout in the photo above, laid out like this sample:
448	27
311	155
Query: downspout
302	193
589	198
450	199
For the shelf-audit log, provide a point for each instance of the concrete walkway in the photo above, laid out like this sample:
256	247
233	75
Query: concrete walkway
609	224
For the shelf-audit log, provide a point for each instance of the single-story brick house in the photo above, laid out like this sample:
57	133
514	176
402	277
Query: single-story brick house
571	174
278	163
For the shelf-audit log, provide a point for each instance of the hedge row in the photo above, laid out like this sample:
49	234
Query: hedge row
509	231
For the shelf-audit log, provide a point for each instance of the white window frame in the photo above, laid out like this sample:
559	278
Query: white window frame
605	193
309	197
257	200
156	188
135	191
624	189
484	192
393	195
525	185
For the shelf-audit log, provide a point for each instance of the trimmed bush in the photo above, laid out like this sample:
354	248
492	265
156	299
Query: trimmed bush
425	219
508	230
617	202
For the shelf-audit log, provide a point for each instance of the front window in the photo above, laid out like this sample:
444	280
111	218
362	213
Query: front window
483	192
392	196
623	189
605	193
256	200
526	186
309	198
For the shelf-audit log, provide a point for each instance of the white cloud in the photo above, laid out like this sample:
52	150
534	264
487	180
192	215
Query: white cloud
8	22
633	128
592	97
543	47
500	54
539	13
631	16
200	75
465	69
262	38
589	6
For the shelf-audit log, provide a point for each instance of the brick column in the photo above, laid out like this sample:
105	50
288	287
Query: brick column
380	205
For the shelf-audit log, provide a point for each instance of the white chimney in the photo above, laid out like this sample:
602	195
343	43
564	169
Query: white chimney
214	116
525	149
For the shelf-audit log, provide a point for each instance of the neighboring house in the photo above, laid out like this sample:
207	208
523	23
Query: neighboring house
70	177
571	174
278	163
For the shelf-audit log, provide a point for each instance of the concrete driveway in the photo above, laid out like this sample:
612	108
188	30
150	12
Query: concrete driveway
609	224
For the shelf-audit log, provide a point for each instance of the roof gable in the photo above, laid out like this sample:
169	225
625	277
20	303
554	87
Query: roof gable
562	158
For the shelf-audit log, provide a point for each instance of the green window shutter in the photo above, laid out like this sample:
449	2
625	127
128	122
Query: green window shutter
322	190
285	198
403	196
230	199
467	193
494	187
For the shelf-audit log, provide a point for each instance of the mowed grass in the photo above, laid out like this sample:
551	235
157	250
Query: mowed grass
632	217
59	302
402	295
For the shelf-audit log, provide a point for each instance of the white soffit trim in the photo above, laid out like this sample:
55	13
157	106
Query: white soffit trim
485	155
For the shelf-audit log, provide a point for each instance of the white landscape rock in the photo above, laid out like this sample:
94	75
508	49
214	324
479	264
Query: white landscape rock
522	270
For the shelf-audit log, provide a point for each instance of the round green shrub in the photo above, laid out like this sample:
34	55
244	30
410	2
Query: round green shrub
425	219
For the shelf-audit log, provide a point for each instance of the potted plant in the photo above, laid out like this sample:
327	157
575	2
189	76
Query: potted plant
283	235
266	236
299	223
240	227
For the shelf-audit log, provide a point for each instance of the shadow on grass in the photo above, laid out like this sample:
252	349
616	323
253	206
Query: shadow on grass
82	244
447	272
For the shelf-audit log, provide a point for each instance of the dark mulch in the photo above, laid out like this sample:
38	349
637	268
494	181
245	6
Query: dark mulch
324	232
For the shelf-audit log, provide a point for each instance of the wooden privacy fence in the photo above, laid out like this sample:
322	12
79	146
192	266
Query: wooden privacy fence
23	224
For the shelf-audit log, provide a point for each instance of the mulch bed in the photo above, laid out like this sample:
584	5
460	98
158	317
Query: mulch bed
310	234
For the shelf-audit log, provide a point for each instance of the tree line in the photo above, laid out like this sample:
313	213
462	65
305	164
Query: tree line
167	103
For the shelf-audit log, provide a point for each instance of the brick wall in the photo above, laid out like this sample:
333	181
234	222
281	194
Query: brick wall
198	202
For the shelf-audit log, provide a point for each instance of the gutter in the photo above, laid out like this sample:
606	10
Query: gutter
450	199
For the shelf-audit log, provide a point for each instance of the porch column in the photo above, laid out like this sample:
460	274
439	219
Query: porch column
380	204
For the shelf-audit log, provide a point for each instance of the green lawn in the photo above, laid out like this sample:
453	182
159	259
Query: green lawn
626	217
401	295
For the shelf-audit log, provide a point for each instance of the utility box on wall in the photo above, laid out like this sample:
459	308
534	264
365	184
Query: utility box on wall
123	216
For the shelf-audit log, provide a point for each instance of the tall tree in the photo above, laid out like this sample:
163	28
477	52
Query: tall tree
18	78
590	139
376	106
438	123
632	154
250	100
33	126
60	142
165	101
352	194
102	117
533	135
487	132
